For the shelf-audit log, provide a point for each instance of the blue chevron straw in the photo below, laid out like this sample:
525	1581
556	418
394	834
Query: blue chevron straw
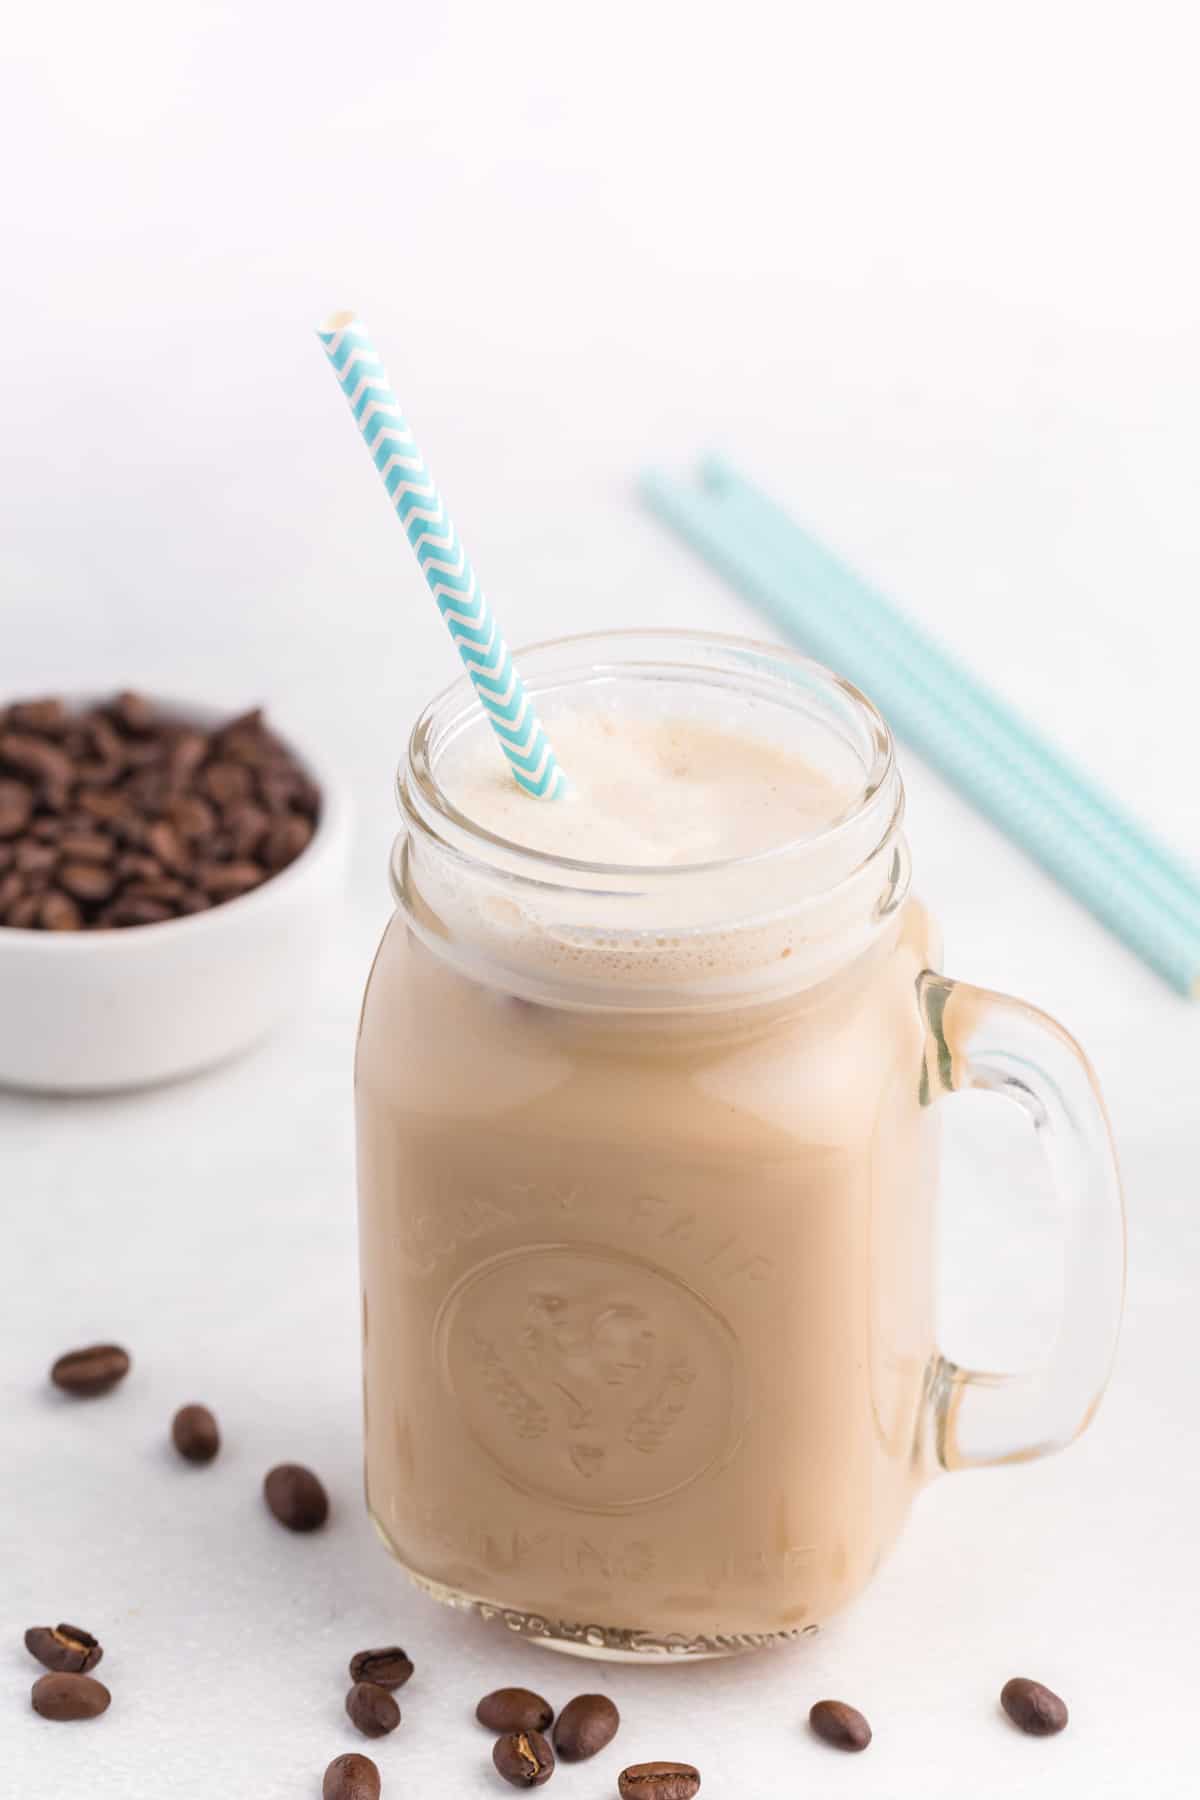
444	563
1133	885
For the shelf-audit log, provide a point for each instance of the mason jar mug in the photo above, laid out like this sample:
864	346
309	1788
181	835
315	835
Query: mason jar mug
648	1167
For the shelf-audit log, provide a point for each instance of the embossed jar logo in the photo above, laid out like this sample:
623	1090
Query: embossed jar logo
589	1377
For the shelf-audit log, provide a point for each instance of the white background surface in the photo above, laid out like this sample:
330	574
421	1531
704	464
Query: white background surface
930	272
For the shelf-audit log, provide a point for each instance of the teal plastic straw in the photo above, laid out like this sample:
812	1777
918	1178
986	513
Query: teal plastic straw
1132	885
948	682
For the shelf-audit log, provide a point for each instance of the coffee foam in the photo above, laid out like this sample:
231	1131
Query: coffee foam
726	805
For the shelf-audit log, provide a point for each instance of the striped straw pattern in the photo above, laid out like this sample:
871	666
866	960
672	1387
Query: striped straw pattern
452	580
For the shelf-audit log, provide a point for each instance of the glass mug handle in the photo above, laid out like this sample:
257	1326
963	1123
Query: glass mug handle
977	1039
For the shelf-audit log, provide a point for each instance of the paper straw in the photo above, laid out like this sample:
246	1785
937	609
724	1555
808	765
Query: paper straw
444	563
997	782
951	685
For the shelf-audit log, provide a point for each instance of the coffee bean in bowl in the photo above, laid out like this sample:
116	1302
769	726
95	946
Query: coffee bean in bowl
168	874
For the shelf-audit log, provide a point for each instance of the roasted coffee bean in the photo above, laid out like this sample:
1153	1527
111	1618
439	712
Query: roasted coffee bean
524	1758
296	1497
48	762
47	717
69	1697
138	909
108	744
32	858
92	1371
351	1777
58	912
193	817
187	753
165	843
372	1709
134	713
86	880
389	1668
16	807
514	1709
1033	1708
149	791
67	1649
104	803
285	841
24	913
659	1781
226	782
194	1434
86	846
840	1725
247	825
224	881
163	887
193	901
135	865
584	1726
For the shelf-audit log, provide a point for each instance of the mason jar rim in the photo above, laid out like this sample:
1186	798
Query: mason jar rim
716	659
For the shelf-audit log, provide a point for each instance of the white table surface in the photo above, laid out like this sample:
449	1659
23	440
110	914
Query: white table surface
929	272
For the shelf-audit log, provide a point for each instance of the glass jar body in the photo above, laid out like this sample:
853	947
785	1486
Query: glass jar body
647	1299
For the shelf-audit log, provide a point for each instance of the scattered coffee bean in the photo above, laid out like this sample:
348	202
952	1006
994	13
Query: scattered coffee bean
514	1709
69	1697
98	803
296	1497
659	1781
351	1777
840	1725
585	1725
66	1649
194	1434
372	1709
524	1758
86	1373
389	1668
1033	1708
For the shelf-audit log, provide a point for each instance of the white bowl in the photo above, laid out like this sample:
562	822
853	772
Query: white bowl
86	1011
